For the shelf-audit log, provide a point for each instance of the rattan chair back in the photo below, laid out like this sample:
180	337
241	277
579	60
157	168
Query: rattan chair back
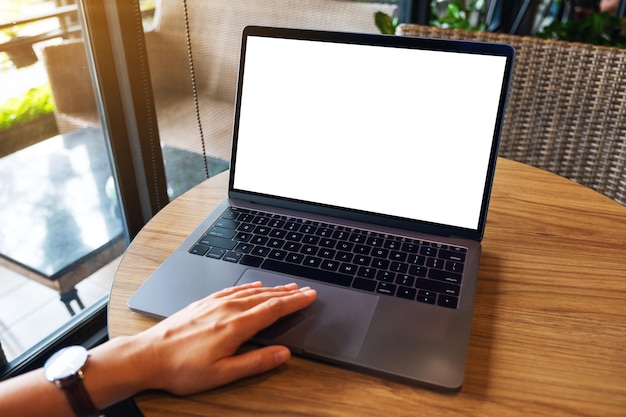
567	107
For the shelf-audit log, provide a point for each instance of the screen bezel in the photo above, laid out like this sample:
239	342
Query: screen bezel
383	41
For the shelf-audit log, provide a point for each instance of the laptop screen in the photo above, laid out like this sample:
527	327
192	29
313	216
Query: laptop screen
404	132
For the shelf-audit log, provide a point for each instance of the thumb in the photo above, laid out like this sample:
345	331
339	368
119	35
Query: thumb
252	363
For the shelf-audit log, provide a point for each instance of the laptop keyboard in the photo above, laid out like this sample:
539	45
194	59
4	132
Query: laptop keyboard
424	271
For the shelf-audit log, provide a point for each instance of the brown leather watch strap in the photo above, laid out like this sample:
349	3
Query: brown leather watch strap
79	398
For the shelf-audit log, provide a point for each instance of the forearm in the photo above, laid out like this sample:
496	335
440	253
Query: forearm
111	374
191	351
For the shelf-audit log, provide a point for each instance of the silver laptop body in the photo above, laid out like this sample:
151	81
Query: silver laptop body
383	145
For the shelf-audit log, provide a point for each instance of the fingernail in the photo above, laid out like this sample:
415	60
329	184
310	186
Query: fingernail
282	356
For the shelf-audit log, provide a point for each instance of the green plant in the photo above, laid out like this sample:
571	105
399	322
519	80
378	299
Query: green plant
386	24
35	103
595	28
454	14
458	14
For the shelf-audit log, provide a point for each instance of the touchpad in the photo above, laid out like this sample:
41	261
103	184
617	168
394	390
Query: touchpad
334	326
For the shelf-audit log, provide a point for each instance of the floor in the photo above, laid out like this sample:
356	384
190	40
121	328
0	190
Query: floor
30	311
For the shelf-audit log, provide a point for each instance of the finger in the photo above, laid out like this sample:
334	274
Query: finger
246	290
250	363
267	312
236	289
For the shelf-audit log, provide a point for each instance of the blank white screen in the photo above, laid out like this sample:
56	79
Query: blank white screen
402	132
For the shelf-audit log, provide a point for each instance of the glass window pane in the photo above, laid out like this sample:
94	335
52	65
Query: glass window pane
61	232
194	102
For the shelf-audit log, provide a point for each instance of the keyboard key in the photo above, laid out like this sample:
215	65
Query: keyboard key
456	256
232	256
341	235
226	223
406	293
312	261
259	240
380	263
454	266
261	220
276	223
323	232
199	250
219	242
416	260
345	246
275	243
261	251
292	247
398	256
446	276
261	230
385	276
435	263
364	284
410	247
427	297
294	236
399	267
251	260
295	258
292	226
438	286
386	288
216	253
243	237
247	227
348	269
244	248
375	241
447	301
361	249
278	233
380	253
418	271
357	238
309	250
344	256
406	280
221	232
327	243
278	254
329	265
428	251
366	272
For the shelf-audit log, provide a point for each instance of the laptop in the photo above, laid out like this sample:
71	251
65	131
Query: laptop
362	166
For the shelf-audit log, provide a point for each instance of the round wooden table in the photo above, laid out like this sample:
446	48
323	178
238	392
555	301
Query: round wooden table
548	331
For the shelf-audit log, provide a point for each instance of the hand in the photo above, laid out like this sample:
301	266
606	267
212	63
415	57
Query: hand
194	349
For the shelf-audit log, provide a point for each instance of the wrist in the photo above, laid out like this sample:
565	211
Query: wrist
116	371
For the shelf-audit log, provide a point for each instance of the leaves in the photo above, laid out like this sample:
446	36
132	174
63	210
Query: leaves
595	28
386	24
35	103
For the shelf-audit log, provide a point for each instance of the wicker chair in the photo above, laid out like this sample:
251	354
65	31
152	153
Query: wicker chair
215	28
567	107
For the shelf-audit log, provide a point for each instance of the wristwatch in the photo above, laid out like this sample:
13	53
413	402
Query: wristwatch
65	369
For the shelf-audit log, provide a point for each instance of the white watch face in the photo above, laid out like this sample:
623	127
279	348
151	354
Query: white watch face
66	362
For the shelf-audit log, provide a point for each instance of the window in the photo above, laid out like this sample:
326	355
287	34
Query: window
162	108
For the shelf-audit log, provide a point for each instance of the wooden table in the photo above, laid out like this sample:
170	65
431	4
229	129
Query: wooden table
549	325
